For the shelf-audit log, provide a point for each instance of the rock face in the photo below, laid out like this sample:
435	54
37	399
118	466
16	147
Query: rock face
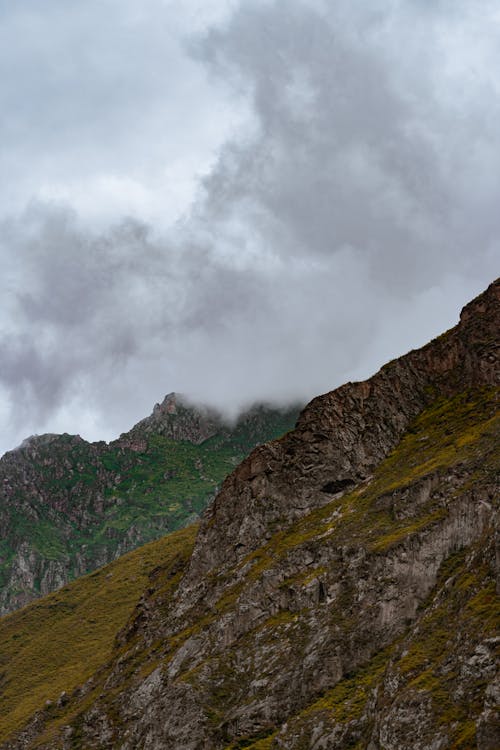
68	506
342	589
175	419
342	436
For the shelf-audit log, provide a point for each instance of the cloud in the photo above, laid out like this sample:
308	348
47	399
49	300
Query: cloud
354	148
103	109
347	220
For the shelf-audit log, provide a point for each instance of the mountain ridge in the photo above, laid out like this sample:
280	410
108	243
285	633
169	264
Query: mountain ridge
342	590
464	356
69	506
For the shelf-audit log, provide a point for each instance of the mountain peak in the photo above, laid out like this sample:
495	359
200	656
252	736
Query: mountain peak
68	506
177	419
169	403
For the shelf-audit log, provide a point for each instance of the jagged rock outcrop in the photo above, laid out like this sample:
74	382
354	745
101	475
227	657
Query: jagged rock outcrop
342	590
340	437
68	506
175	418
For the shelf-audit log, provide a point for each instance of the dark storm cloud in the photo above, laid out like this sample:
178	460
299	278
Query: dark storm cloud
349	222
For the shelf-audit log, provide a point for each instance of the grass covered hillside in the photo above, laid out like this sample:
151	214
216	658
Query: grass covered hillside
68	506
55	644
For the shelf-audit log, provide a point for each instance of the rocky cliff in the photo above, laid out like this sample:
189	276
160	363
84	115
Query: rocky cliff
342	588
68	506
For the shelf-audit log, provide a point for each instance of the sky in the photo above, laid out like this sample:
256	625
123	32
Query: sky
239	200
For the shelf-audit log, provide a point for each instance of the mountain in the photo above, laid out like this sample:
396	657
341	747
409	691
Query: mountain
68	506
340	592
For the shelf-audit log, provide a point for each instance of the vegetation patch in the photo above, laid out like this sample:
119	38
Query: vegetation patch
465	595
347	700
343	705
261	741
57	643
454	431
83	504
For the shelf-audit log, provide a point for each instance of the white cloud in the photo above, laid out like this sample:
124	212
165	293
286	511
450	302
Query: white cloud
101	93
342	159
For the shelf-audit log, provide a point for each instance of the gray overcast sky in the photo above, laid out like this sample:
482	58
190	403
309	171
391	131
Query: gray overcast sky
236	199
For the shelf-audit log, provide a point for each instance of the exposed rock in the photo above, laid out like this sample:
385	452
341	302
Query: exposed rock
176	419
342	588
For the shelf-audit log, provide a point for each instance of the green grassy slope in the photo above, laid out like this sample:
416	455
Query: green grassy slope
68	506
57	643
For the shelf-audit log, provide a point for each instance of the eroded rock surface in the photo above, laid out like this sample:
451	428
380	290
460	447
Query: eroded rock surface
342	591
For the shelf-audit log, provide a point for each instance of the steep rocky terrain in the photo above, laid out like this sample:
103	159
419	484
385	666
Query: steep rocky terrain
342	591
68	506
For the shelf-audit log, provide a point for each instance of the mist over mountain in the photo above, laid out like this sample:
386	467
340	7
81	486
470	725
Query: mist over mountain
275	197
68	506
257	204
341	590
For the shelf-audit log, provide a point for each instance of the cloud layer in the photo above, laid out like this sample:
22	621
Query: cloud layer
344	211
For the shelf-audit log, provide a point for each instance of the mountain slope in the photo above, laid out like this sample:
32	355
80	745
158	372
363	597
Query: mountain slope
341	592
58	642
69	506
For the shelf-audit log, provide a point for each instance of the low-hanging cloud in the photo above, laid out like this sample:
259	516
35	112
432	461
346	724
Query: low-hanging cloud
348	223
